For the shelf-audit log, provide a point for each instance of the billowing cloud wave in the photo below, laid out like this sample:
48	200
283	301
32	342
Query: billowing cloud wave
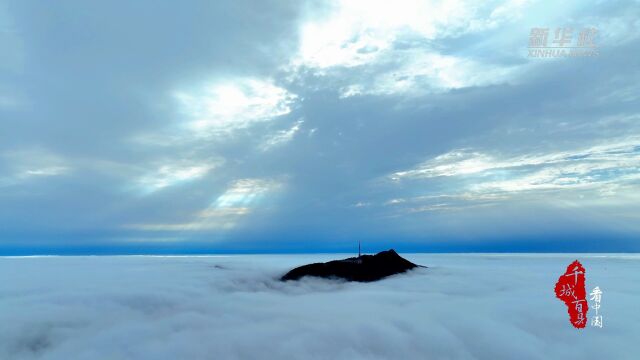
461	307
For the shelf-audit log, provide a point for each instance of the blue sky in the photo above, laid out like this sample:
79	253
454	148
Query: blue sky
280	126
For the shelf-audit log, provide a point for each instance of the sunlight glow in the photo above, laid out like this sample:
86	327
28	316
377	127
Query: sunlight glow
239	200
221	107
359	32
174	174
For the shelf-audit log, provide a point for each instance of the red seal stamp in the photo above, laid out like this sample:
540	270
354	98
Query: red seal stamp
570	288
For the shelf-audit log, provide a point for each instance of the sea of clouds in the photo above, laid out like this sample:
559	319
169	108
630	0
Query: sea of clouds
480	306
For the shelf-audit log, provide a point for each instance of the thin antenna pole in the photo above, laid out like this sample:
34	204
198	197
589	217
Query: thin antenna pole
358	248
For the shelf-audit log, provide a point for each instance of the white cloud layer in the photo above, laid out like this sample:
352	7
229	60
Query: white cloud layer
462	307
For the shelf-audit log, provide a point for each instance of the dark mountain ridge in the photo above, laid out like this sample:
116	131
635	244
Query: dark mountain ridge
364	268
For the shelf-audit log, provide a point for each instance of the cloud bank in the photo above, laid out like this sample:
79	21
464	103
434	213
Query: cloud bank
461	307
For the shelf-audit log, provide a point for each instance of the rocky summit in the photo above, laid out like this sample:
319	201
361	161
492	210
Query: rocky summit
363	268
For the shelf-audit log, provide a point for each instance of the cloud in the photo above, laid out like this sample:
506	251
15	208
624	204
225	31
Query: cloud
428	72
614	162
354	33
245	192
174	174
600	176
227	106
231	307
400	48
238	200
274	120
281	137
25	165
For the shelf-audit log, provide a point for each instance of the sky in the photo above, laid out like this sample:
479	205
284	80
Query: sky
305	126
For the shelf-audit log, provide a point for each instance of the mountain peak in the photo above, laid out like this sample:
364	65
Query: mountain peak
364	268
